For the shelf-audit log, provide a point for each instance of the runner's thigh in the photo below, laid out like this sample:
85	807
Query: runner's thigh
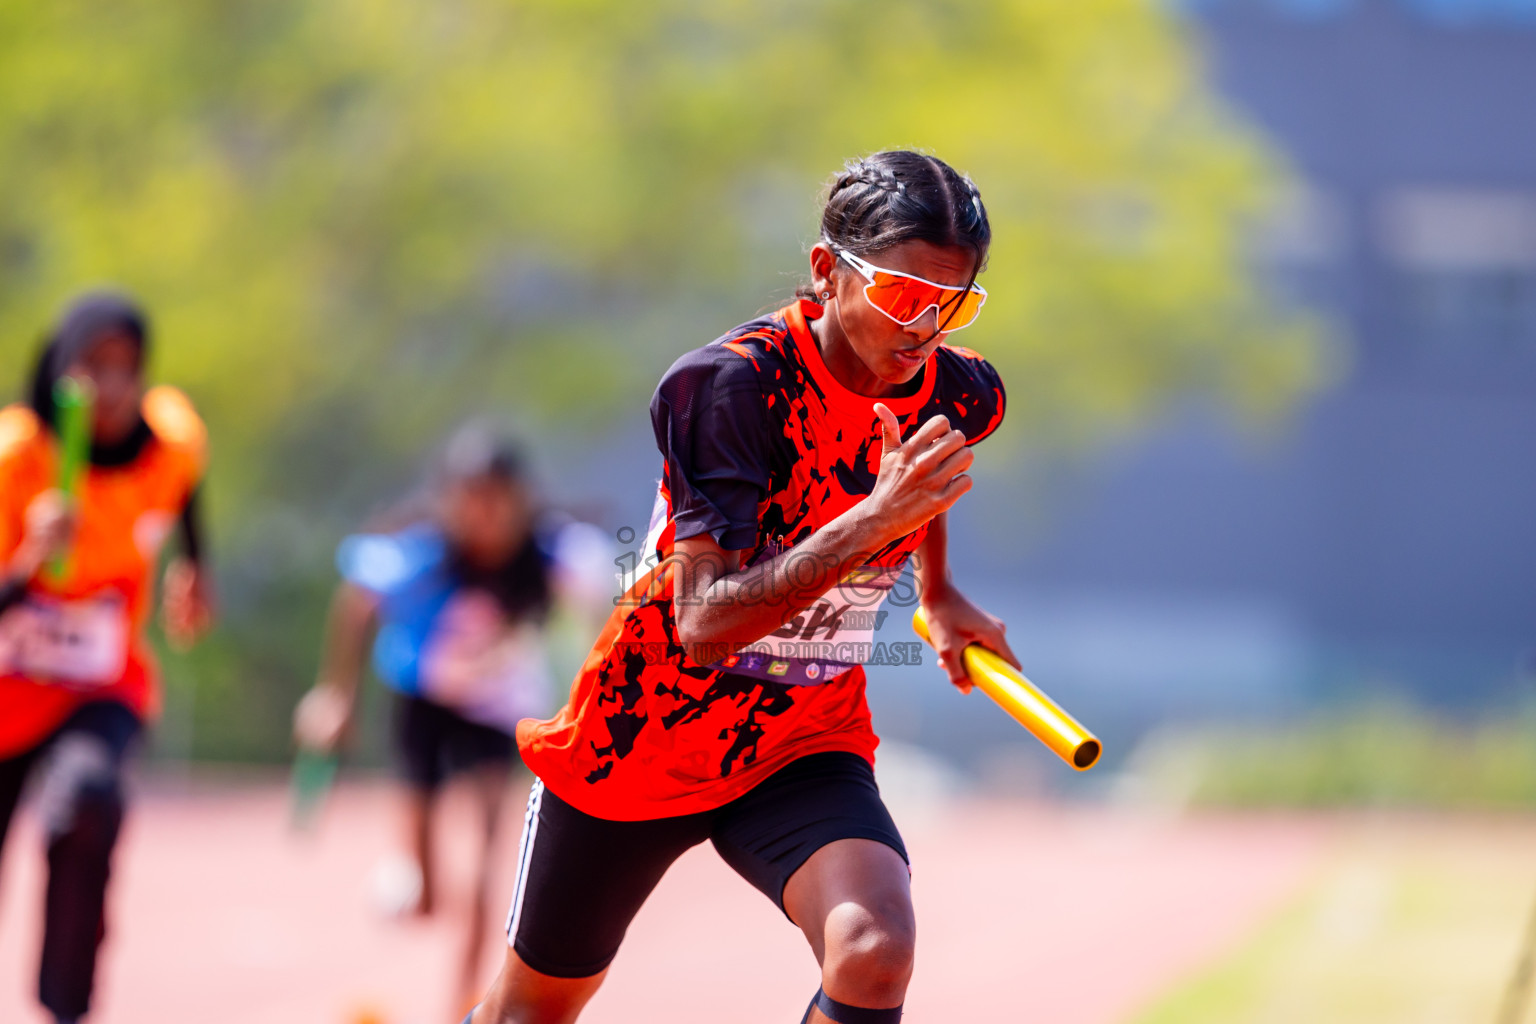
770	832
581	880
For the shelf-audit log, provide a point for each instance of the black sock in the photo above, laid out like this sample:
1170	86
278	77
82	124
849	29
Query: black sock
842	1013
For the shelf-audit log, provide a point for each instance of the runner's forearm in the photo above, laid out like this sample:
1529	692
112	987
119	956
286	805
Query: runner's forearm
190	525
348	626
930	563
724	609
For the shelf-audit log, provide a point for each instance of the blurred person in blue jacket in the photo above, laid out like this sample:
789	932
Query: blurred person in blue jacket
454	592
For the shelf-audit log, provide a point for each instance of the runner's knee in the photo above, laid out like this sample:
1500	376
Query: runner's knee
869	953
521	995
82	794
549	1008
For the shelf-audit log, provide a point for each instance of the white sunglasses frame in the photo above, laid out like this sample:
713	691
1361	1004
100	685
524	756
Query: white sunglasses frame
867	270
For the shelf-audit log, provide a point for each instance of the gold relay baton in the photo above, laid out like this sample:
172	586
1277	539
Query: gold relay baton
1025	701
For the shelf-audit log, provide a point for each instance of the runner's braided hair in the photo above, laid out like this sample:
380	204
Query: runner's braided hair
896	196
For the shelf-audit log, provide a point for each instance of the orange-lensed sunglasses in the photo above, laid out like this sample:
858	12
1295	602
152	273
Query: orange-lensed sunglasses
904	298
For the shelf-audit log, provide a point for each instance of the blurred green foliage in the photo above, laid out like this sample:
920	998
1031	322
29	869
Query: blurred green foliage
1382	753
356	220
1401	917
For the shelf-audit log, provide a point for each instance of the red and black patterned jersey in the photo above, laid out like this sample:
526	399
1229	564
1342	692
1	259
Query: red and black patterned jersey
762	447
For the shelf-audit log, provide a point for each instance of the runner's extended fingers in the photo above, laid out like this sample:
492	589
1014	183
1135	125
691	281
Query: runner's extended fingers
955	490
1009	656
936	427
947	456
890	428
952	659
994	638
939	449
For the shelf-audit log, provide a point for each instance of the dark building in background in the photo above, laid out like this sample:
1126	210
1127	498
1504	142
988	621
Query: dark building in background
1389	538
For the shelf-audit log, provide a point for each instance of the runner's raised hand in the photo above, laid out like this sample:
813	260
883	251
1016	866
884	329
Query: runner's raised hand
918	479
50	525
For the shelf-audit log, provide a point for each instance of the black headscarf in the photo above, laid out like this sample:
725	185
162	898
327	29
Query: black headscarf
86	319
83	323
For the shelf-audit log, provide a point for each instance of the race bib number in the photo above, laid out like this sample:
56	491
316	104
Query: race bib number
825	640
78	643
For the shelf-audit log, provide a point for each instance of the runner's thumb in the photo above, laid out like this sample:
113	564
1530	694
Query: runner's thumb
890	429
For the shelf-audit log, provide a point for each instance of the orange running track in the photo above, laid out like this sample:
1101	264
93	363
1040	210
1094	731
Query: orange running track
1026	912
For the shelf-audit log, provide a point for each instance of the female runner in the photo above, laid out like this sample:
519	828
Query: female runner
77	682
807	456
454	599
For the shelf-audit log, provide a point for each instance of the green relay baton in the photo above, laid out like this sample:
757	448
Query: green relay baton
72	400
314	772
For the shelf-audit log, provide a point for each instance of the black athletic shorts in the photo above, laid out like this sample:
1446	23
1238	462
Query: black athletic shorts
433	742
581	880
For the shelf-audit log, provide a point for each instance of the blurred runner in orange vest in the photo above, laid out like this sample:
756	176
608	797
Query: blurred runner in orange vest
77	680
